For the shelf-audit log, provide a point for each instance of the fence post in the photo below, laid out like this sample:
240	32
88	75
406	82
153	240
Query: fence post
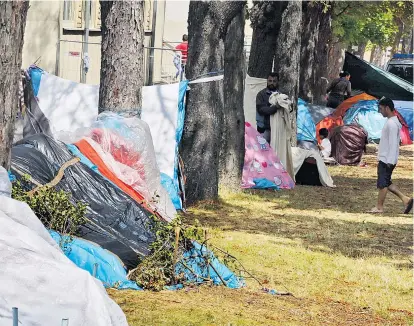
15	312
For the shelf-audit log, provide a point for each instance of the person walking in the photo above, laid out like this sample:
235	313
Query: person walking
388	152
339	90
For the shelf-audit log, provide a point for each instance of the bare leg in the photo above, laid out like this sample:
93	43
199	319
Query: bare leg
382	193
399	194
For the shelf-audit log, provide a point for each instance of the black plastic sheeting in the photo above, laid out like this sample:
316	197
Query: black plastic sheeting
348	144
376	81
116	222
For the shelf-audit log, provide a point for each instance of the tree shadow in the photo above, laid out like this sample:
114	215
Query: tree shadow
322	219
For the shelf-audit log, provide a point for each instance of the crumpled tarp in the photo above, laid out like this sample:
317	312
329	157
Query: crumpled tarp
85	254
116	222
41	282
195	258
348	144
306	128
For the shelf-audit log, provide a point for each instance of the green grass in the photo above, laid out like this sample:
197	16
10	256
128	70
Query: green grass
344	267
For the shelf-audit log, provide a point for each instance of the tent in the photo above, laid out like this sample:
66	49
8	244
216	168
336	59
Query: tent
116	222
329	123
306	128
376	81
310	169
262	168
406	110
365	113
41	282
345	105
348	144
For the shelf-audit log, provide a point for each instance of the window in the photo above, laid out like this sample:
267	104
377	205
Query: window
72	16
68	10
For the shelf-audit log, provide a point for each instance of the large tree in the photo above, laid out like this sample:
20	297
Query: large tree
122	55
208	26
12	23
266	19
316	35
287	59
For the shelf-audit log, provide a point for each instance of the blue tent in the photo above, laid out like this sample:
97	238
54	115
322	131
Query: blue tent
366	114
406	109
306	128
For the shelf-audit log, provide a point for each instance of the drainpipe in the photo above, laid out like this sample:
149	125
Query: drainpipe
85	66
151	55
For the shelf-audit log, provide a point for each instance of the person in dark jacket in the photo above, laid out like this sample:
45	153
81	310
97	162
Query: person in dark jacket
339	90
263	109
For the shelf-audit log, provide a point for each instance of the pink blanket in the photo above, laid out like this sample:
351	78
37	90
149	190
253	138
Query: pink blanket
261	162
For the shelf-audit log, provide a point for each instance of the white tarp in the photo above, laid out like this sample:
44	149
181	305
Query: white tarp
66	104
252	87
299	155
160	112
38	279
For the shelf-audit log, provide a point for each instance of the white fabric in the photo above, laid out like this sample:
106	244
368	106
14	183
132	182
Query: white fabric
299	155
326	148
280	130
251	88
38	279
160	112
389	146
66	104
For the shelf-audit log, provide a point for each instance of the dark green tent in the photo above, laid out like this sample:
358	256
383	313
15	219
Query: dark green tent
376	81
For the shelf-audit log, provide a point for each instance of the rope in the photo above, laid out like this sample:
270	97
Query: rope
58	177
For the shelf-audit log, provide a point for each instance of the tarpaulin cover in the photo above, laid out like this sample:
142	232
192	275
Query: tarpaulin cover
345	105
195	258
252	86
116	222
85	254
261	162
319	112
376	81
348	144
365	113
121	147
306	129
328	123
41	282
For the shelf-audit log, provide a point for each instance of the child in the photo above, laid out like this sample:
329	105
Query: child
325	145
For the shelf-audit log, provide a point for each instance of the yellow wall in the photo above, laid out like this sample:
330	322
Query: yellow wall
41	35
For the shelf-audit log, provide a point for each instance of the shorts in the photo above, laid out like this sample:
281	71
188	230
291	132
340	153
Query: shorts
384	175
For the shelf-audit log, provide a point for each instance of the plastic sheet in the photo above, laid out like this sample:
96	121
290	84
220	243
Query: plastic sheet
306	129
41	282
348	144
116	222
125	146
86	255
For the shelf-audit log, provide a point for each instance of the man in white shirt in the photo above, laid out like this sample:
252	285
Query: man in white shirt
388	152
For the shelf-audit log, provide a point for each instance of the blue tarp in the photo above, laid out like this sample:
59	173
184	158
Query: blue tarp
264	183
194	259
306	128
366	114
35	75
83	159
171	188
84	254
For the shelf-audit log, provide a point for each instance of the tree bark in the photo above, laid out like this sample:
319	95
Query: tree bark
316	34
361	49
397	39
336	59
232	143
287	59
266	21
412	42
122	55
12	23
201	144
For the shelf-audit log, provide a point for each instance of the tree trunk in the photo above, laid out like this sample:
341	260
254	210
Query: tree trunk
287	57
265	17
122	56
207	26
397	40
412	42
336	59
232	144
372	56
316	33
12	23
361	49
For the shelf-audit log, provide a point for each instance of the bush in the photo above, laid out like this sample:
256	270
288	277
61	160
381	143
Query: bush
53	207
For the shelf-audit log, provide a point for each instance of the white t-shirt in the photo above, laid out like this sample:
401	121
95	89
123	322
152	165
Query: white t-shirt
326	151
389	146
